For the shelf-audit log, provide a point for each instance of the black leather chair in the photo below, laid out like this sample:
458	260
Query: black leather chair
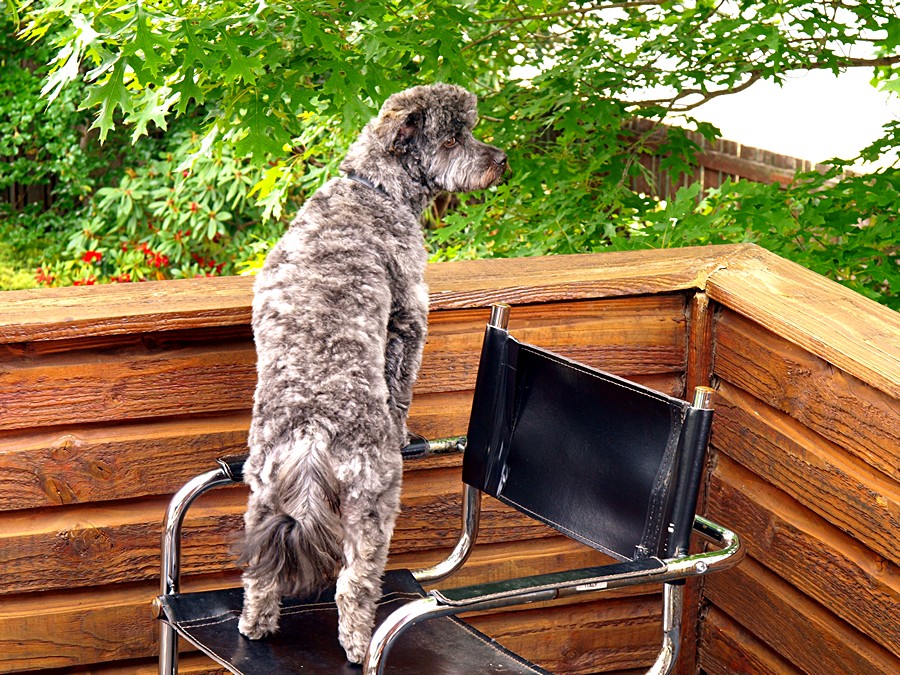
610	463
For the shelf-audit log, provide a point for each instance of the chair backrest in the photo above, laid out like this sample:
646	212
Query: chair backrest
608	462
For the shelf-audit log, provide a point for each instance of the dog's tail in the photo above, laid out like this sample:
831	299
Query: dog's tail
299	544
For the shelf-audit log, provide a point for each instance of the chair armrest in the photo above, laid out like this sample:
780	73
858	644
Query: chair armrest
589	579
233	466
552	585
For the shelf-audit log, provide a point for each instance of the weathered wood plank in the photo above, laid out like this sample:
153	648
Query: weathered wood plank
119	542
860	587
95	625
840	488
115	309
698	369
589	637
102	387
478	283
727	648
59	313
92	464
800	630
627	336
855	334
831	402
85	464
644	336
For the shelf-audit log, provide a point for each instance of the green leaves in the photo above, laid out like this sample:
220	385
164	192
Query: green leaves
110	95
284	87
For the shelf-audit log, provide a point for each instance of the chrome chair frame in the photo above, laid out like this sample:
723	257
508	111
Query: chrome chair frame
671	572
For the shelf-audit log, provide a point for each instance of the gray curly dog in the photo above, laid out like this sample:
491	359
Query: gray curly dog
339	318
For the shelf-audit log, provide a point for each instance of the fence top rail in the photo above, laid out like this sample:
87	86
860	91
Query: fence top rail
838	325
61	313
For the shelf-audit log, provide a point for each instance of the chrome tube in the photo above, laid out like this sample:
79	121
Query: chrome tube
499	316
673	609
401	619
170	568
703	398
471	514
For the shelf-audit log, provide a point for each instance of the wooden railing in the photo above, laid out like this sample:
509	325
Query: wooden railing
112	397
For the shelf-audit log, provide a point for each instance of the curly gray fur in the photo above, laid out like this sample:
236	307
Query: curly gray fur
339	317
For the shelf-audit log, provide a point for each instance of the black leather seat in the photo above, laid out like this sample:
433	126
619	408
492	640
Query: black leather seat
307	639
607	462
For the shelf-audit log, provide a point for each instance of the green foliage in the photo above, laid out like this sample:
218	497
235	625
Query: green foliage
276	90
121	212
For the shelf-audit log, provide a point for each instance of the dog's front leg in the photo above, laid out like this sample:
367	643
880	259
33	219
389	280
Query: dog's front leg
403	357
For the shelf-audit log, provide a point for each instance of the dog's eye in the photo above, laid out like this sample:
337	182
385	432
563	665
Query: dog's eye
450	142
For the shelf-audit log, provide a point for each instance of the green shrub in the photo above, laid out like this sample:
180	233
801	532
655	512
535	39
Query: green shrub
280	88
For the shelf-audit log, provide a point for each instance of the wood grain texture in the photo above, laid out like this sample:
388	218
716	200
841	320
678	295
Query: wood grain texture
478	283
800	630
584	638
698	369
119	542
848	411
98	386
629	336
842	489
66	629
853	333
829	566
84	395
115	309
83	464
727	648
112	396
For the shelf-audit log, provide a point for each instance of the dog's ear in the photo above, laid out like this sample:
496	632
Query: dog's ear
397	129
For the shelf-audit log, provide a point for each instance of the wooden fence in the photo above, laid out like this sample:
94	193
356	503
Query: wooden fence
716	162
111	397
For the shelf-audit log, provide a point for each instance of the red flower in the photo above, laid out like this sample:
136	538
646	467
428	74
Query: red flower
92	256
158	260
89	281
123	278
43	277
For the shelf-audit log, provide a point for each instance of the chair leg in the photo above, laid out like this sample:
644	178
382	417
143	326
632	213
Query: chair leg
394	625
673	608
170	571
168	650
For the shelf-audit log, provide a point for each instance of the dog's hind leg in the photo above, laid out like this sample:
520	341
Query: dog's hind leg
368	525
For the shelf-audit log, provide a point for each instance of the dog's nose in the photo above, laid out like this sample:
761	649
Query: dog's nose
500	158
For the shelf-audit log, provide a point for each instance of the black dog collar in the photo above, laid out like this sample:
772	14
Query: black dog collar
367	183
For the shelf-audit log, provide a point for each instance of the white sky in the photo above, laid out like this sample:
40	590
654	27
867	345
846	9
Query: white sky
814	115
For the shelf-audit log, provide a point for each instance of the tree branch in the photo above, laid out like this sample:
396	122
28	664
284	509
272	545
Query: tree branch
573	11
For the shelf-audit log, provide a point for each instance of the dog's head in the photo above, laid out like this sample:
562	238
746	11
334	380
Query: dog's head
428	129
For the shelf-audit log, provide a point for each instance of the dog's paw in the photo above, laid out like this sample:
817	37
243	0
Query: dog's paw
258	629
355	646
